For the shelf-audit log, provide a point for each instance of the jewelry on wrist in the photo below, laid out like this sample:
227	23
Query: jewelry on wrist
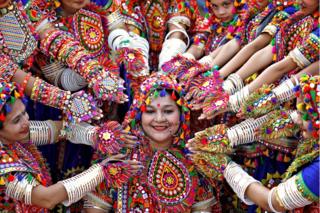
79	185
270	200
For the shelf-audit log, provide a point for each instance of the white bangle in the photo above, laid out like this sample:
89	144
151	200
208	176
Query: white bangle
239	181
270	200
176	20
114	34
181	31
79	185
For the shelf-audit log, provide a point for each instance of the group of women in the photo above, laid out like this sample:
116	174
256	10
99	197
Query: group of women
161	106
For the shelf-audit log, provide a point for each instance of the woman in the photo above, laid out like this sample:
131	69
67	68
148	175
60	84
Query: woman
24	175
160	118
300	185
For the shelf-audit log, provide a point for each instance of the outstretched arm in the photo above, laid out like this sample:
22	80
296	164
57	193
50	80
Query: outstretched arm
273	73
245	53
259	61
227	51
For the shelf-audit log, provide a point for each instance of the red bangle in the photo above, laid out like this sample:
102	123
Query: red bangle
25	81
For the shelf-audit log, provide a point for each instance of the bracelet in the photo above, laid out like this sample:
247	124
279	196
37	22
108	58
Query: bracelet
236	100
82	133
52	72
25	82
21	187
176	20
233	83
290	196
284	91
270	200
181	31
114	19
115	34
79	185
239	181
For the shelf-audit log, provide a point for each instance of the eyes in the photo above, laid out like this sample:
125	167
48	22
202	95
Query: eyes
165	111
18	118
225	4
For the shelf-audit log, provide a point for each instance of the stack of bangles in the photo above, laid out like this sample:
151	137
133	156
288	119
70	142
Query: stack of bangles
43	132
233	83
245	131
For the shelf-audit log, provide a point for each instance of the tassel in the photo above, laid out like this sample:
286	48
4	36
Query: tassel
163	93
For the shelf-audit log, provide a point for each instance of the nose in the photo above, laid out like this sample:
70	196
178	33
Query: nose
160	117
25	120
221	11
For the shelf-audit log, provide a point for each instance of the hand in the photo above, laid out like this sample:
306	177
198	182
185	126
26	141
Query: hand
213	105
118	171
213	140
259	103
211	165
82	107
111	138
108	87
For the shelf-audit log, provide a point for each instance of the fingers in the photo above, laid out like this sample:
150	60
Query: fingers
116	157
130	141
136	166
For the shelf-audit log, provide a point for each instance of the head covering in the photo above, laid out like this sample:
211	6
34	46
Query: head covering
9	93
309	92
159	85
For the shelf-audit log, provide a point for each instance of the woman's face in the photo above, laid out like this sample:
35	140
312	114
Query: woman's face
309	6
16	125
223	9
72	6
161	121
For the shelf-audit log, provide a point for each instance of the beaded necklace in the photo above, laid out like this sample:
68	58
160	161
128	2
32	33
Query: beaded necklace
17	36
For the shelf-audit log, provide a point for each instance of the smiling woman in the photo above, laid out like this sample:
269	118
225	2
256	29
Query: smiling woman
160	119
25	183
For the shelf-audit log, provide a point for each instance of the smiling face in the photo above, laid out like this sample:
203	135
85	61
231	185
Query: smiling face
161	121
70	7
16	125
223	9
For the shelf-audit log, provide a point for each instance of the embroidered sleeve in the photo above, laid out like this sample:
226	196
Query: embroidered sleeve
276	21
7	67
19	186
306	53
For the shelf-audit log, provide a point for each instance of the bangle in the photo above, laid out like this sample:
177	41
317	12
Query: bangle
25	81
270	200
181	31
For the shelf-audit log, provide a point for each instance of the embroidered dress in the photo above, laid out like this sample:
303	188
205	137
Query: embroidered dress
170	183
20	162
